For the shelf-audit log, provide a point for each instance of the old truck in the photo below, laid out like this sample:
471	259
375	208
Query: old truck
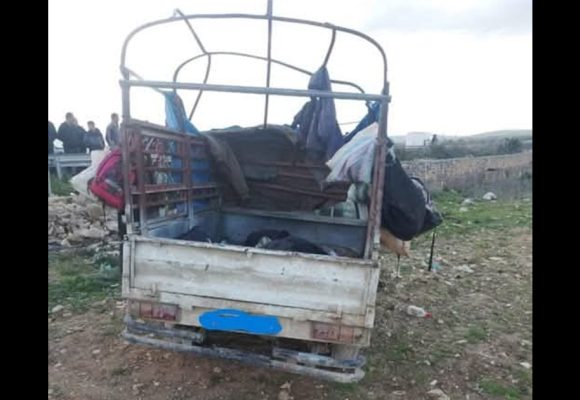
303	313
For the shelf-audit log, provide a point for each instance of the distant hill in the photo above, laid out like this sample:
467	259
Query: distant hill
492	135
512	133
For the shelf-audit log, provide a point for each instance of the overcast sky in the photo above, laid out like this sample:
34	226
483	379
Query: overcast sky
455	66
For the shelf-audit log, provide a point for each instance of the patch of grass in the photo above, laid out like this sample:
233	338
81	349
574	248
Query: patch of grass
399	351
61	187
475	334
496	215
440	353
346	387
77	281
524	378
344	390
494	388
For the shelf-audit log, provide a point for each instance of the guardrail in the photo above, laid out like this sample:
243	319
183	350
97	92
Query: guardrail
66	161
62	162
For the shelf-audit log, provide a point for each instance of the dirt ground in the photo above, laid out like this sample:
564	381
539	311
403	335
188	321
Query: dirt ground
477	345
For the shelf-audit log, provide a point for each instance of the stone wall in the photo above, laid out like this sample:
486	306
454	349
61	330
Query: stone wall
461	173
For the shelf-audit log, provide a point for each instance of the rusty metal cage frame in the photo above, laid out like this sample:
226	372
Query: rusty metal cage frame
372	236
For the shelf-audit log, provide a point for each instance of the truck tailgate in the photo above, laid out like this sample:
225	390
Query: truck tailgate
310	287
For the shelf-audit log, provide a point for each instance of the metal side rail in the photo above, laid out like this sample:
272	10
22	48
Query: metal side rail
347	371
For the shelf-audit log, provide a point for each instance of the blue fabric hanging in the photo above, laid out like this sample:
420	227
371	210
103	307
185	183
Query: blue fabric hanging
175	116
176	119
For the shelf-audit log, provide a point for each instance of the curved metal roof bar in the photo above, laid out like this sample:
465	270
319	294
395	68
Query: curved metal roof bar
207	68
282	63
254	16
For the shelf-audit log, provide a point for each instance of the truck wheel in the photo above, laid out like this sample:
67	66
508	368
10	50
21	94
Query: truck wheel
344	352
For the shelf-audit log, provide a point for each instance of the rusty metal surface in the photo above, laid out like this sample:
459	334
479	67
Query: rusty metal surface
377	186
256	57
150	153
297	21
335	333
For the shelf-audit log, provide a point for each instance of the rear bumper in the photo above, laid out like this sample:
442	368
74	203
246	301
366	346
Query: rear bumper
314	365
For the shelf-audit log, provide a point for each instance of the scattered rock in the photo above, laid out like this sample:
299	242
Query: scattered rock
489	196
463	209
95	211
217	370
463	268
437	394
96	352
467	202
284	393
433	382
399	393
78	220
137	388
67	314
526	365
56	309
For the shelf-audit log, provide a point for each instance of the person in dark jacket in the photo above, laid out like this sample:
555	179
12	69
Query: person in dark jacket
51	137
94	138
112	133
71	135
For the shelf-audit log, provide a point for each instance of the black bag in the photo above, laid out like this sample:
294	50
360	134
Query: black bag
433	217
407	207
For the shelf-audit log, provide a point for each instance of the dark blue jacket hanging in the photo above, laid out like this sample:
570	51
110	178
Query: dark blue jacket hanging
318	130
372	116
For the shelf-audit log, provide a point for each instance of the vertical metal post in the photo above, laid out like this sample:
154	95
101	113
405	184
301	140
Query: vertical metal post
269	62
58	167
125	142
377	188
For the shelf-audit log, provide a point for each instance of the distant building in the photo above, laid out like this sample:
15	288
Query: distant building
418	139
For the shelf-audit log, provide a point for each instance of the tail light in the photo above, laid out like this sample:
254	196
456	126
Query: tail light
150	310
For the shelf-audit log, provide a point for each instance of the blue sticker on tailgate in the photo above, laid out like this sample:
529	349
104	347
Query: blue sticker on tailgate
237	320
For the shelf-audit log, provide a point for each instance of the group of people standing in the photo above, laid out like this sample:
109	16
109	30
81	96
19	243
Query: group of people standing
75	139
